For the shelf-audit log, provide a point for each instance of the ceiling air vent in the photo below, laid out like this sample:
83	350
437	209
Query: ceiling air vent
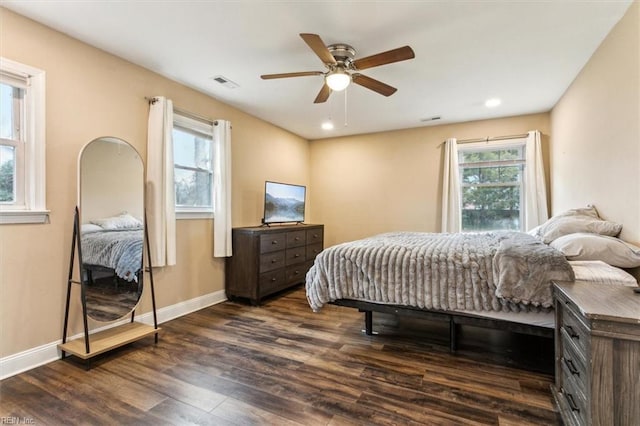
431	119
225	82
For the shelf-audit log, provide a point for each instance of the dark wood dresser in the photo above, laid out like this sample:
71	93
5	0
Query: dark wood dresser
597	354
270	259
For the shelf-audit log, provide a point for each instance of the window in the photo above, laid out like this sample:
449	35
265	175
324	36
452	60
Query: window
193	166
492	185
22	149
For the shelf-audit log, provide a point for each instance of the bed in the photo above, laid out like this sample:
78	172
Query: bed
496	279
117	251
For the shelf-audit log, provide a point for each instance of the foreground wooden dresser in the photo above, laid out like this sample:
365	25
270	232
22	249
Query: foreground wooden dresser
270	259
597	354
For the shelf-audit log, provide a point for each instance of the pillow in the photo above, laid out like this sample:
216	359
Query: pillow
585	211
88	228
599	272
123	221
573	221
585	246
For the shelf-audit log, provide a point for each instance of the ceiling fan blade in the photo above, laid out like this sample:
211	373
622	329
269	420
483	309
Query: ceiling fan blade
323	95
319	48
388	57
373	84
290	74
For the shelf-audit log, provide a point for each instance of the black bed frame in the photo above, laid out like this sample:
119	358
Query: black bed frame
90	269
455	319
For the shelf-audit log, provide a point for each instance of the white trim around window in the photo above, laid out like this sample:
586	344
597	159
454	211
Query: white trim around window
32	209
185	213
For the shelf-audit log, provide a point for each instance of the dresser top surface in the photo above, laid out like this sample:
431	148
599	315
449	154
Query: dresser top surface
278	228
603	301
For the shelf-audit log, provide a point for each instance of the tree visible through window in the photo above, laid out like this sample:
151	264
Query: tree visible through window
492	187
193	163
11	142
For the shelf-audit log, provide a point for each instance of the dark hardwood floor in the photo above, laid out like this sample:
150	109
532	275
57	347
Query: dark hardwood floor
281	364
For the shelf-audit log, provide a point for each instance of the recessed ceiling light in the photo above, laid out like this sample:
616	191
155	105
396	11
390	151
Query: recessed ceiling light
327	125
492	103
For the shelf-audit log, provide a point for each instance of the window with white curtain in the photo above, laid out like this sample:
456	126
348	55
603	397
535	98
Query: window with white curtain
22	143
492	185
193	166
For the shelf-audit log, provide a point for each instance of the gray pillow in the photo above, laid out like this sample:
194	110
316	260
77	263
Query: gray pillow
584	211
573	221
586	246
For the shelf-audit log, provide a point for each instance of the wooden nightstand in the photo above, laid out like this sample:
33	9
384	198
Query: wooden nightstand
597	342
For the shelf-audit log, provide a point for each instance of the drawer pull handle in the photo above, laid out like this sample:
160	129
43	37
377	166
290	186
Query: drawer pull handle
297	238
274	260
572	367
571	401
274	242
296	255
572	332
273	279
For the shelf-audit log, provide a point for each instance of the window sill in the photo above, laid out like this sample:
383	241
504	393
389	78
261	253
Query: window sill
23	216
186	215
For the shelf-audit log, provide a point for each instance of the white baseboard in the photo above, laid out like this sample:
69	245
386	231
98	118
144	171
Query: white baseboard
35	357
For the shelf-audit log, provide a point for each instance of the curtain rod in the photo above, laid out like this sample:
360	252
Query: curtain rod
492	138
189	114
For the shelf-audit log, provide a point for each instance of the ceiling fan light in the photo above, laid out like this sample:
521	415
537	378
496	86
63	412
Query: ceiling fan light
327	125
338	80
492	103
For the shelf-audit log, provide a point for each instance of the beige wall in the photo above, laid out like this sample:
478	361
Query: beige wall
91	94
392	181
595	154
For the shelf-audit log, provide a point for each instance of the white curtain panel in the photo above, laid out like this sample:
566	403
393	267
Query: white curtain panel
536	211
222	189
451	215
160	190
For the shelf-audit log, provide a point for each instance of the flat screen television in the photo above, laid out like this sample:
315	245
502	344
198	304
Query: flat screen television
283	202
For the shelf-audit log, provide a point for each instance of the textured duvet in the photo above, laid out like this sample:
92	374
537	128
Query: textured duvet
118	250
492	271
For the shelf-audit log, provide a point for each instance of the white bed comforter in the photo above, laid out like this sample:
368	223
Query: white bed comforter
492	271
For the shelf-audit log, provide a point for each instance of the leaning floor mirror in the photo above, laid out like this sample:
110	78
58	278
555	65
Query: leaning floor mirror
109	240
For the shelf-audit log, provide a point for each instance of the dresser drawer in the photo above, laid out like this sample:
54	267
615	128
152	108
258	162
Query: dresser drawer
314	236
573	365
313	250
272	242
574	400
297	273
270	282
576	331
271	261
295	255
296	238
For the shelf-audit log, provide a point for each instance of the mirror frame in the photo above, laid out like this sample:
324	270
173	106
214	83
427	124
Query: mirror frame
135	205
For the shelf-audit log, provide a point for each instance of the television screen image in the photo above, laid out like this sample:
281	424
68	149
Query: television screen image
283	202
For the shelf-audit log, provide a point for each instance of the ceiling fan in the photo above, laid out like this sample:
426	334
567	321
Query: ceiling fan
342	69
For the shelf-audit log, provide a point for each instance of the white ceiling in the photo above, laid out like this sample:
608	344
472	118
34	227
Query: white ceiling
525	53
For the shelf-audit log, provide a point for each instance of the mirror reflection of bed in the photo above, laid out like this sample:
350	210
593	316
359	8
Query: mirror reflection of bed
111	213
